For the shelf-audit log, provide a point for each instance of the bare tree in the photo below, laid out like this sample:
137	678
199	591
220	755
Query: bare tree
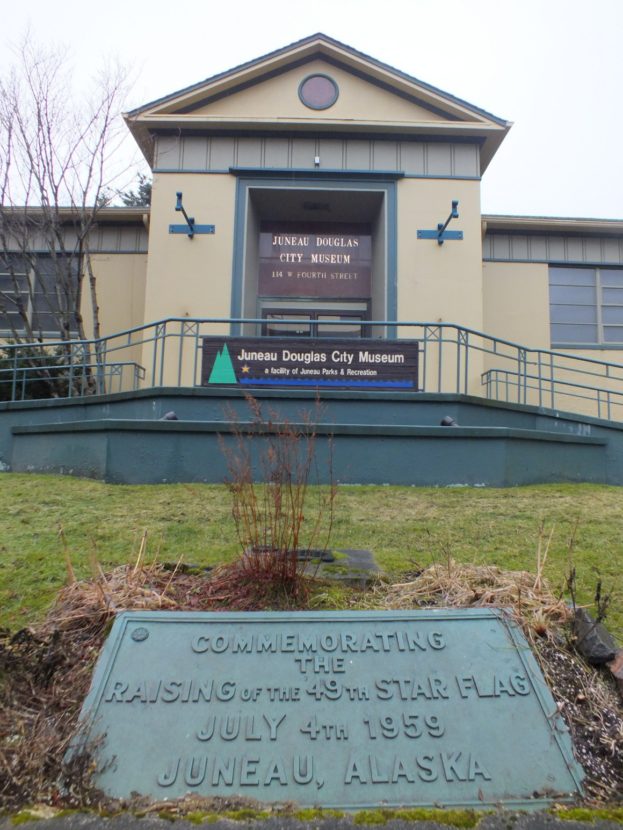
56	169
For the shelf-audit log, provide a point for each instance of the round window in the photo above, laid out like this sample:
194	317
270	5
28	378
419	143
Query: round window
318	92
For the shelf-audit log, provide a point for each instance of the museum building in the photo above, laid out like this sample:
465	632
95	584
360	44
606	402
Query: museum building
315	195
317	141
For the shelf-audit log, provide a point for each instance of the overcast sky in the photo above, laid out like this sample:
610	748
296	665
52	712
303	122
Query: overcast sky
553	67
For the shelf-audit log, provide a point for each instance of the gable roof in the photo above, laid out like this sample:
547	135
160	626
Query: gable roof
217	104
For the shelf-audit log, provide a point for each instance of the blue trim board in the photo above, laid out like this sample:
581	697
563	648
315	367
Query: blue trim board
317	173
313	171
237	270
187	230
435	234
391	230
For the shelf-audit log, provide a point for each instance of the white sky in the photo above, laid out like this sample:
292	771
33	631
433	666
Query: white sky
553	67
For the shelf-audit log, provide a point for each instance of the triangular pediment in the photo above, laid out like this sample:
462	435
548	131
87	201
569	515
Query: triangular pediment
358	100
270	94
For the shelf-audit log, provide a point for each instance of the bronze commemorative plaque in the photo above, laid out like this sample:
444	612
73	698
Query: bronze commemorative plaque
345	709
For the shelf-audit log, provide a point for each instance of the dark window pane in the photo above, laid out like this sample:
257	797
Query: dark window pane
8	282
13	292
574	314
11	319
571	276
613	334
53	291
611	277
325	329
47	322
612	314
576	295
575	333
293	329
612	295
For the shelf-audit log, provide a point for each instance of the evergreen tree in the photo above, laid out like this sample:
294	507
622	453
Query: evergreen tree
140	196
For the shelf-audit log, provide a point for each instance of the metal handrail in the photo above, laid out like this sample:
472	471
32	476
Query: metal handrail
75	378
453	358
499	381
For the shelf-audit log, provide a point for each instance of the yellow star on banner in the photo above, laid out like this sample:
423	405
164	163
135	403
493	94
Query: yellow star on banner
245	369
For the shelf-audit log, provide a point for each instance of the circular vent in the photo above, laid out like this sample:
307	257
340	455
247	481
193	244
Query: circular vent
318	92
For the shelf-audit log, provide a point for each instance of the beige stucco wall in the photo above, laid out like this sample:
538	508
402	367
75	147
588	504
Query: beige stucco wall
120	281
120	291
440	283
192	278
516	302
189	277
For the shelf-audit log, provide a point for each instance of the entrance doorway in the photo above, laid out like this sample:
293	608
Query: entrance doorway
314	278
320	256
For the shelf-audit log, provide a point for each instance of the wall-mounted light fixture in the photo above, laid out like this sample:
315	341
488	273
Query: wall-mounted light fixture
441	234
190	228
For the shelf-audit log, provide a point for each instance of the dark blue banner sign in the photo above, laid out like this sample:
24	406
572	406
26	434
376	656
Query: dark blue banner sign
333	363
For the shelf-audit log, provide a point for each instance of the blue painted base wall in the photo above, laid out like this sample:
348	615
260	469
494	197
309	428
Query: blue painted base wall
372	438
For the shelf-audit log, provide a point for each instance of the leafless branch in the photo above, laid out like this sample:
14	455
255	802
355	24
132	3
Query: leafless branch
57	147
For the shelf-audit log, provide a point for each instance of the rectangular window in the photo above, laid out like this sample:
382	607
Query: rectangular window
36	294
586	306
14	301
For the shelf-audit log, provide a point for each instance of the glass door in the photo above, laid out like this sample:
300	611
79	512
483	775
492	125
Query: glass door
347	320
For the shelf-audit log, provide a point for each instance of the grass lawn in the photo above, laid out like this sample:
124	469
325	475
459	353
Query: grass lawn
405	527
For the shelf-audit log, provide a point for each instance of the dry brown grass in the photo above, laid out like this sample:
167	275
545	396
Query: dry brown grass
585	696
461	585
45	675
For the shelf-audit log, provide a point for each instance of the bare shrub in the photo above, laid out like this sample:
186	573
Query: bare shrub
283	522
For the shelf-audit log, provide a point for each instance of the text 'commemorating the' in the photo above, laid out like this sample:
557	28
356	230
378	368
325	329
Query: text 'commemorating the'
343	710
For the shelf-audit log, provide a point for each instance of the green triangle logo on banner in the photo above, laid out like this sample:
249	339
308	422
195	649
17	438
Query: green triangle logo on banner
223	369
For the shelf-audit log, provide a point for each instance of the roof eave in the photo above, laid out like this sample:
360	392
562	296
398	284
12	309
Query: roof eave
552	224
307	48
146	127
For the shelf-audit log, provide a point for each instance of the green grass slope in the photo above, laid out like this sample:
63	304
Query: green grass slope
405	527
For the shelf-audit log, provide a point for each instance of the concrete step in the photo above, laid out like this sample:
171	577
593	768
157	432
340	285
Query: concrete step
135	451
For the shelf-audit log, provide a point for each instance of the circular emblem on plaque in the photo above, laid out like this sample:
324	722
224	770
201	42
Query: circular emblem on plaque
140	634
318	92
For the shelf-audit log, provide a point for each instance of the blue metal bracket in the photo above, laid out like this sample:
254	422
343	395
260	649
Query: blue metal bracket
190	229
195	229
441	234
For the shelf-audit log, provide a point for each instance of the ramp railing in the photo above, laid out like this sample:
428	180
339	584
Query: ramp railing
452	359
